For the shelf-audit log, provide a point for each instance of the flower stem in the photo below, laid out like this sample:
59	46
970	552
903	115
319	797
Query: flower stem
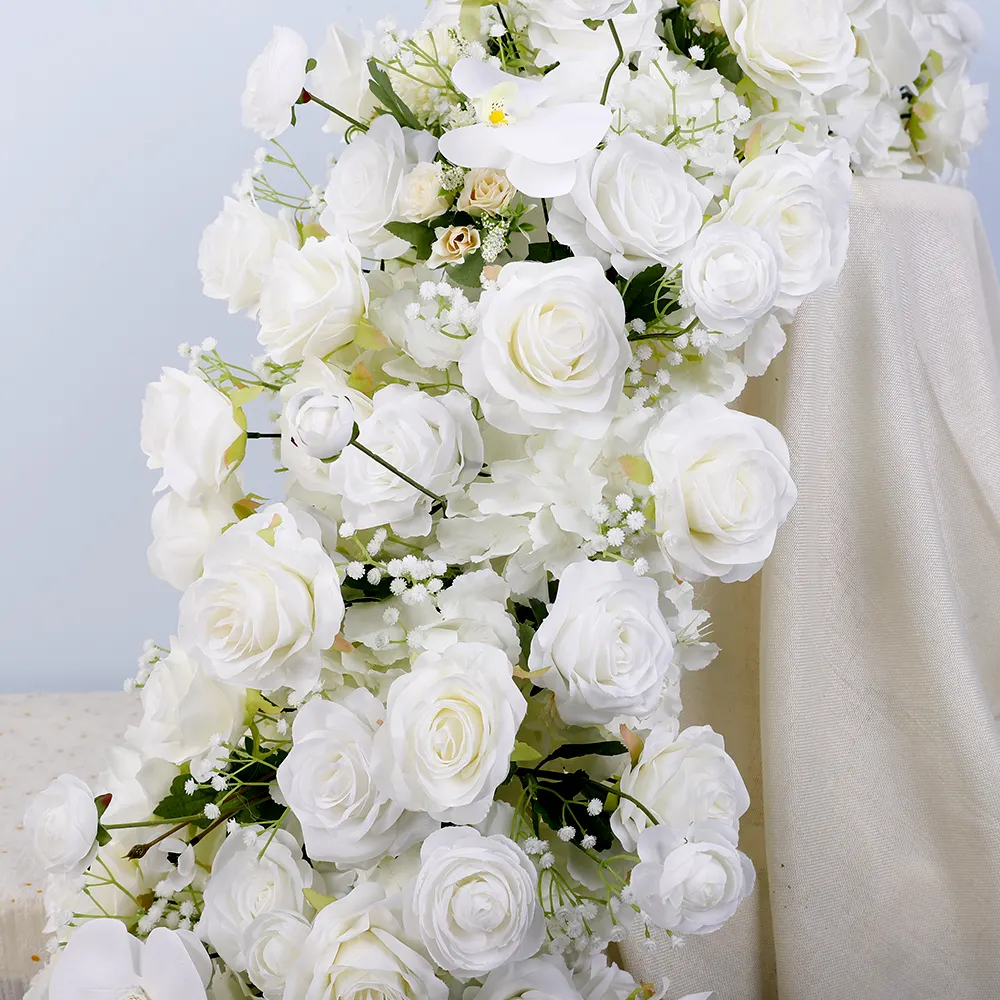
618	61
307	97
258	435
402	475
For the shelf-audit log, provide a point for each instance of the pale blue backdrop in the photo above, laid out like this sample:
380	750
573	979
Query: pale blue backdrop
121	134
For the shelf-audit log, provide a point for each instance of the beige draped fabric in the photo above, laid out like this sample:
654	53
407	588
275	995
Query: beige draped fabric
859	685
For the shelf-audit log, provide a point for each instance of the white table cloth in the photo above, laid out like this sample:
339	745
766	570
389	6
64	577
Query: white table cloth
859	684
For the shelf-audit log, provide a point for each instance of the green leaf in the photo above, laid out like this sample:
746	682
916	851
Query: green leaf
470	17
245	394
637	469
381	87
316	899
177	803
103	837
728	65
605	748
469	271
524	754
640	292
548	252
310	64
421	238
592	23
526	633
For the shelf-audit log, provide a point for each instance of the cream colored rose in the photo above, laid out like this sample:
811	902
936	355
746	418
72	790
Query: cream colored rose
453	245
486	191
420	197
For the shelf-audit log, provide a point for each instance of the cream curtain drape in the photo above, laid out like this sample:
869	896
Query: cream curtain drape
859	686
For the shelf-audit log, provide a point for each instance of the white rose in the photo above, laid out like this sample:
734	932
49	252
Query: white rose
896	42
136	785
801	204
449	732
274	83
731	277
722	489
188	427
321	424
551	350
267	605
245	884
544	976
236	252
61	823
182	532
272	945
340	78
420	196
474	902
313	299
604	646
434	440
326	781
598	979
633	205
954	121
691	887
366	182
681	779
791	47
356	949
183	709
485	191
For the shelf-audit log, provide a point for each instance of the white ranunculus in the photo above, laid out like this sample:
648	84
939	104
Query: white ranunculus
953	122
691	887
340	78
420	196
535	144
183	709
182	532
274	83
326	781
731	277
313	299
681	779
188	427
722	489
474	902
449	732
272	945
551	349
543	976
245	884
791	47
633	205
598	979
434	440
61	824
236	252
321	424
103	960
800	203
357	949
267	605
366	183
605	647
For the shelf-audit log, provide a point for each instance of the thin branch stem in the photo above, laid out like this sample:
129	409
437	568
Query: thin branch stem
402	475
617	63
307	97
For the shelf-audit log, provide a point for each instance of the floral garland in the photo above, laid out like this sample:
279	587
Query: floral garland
417	735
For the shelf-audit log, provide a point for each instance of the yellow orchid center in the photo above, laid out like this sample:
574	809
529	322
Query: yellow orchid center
498	117
495	107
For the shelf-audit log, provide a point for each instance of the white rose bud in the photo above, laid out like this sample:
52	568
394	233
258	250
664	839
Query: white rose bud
420	197
274	83
691	887
62	826
474	902
453	245
320	424
486	191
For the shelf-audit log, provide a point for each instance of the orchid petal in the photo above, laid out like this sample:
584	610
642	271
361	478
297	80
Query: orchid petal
555	135
541	180
473	146
474	78
168	970
100	961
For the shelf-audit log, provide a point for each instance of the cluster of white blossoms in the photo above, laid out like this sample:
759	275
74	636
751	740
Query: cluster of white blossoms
417	735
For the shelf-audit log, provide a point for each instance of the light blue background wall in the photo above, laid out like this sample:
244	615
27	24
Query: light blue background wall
121	134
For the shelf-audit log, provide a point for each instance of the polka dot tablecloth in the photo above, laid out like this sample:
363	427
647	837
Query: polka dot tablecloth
41	737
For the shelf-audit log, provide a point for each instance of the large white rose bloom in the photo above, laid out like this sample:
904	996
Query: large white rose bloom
274	83
681	779
184	710
237	250
356	949
313	299
722	489
103	960
61	824
273	942
791	47
543	976
340	78
692	886
188	427
245	884
326	781
800	203
633	205
605	647
434	440
474	902
551	350
183	532
449	732
267	605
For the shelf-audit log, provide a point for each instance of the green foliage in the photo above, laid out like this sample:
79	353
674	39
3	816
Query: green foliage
421	238
642	293
381	87
678	33
573	751
468	273
546	253
561	799
177	804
